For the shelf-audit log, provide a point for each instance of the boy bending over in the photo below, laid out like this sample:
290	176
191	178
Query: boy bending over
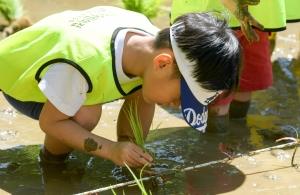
63	68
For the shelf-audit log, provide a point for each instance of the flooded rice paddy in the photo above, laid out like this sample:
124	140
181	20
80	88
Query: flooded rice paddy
272	114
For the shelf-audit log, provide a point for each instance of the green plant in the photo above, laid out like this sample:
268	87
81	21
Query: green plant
139	182
11	9
137	129
136	125
147	7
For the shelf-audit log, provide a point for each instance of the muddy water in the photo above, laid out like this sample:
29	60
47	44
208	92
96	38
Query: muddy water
176	146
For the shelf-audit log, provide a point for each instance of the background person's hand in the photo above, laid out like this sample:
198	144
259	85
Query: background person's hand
129	153
240	10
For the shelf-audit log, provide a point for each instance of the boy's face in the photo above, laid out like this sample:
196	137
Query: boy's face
159	84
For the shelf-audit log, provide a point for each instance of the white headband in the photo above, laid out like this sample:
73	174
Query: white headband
186	69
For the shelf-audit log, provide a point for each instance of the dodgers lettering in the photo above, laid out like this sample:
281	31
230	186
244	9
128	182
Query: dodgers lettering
208	100
195	119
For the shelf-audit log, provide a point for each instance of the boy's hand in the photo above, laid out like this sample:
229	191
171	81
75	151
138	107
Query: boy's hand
129	153
240	10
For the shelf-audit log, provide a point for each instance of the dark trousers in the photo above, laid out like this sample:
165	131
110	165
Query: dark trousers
30	109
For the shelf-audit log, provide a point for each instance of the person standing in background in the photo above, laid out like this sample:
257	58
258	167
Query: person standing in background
257	68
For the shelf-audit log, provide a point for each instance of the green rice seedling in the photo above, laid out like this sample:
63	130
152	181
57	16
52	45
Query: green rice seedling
11	9
136	125
150	8
14	14
296	140
138	182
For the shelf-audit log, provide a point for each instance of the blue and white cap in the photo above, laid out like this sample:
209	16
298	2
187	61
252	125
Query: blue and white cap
194	98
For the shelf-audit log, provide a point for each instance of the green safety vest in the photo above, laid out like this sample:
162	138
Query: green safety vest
273	14
82	39
293	10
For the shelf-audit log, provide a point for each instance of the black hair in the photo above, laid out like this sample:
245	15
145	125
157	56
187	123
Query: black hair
211	46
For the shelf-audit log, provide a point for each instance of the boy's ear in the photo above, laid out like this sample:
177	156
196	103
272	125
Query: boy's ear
162	60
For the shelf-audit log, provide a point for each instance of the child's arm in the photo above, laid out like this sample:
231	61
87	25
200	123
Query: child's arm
61	127
240	9
145	111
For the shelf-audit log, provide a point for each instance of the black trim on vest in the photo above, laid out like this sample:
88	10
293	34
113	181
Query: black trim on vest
84	74
113	60
265	30
135	89
293	20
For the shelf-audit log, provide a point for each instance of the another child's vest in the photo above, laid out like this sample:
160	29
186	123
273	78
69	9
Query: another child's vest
293	10
273	14
83	39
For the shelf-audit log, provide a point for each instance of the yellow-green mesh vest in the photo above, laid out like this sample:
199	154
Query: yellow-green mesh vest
83	39
270	13
293	10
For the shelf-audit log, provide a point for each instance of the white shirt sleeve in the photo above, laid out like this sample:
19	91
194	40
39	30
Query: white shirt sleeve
65	87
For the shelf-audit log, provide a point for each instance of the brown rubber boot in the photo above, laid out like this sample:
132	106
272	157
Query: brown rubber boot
46	156
238	110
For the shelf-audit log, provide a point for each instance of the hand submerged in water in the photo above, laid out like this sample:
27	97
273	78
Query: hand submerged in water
240	10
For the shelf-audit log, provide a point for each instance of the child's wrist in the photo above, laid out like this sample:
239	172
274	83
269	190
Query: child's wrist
112	147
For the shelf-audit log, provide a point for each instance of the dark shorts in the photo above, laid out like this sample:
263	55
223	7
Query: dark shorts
257	67
30	109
